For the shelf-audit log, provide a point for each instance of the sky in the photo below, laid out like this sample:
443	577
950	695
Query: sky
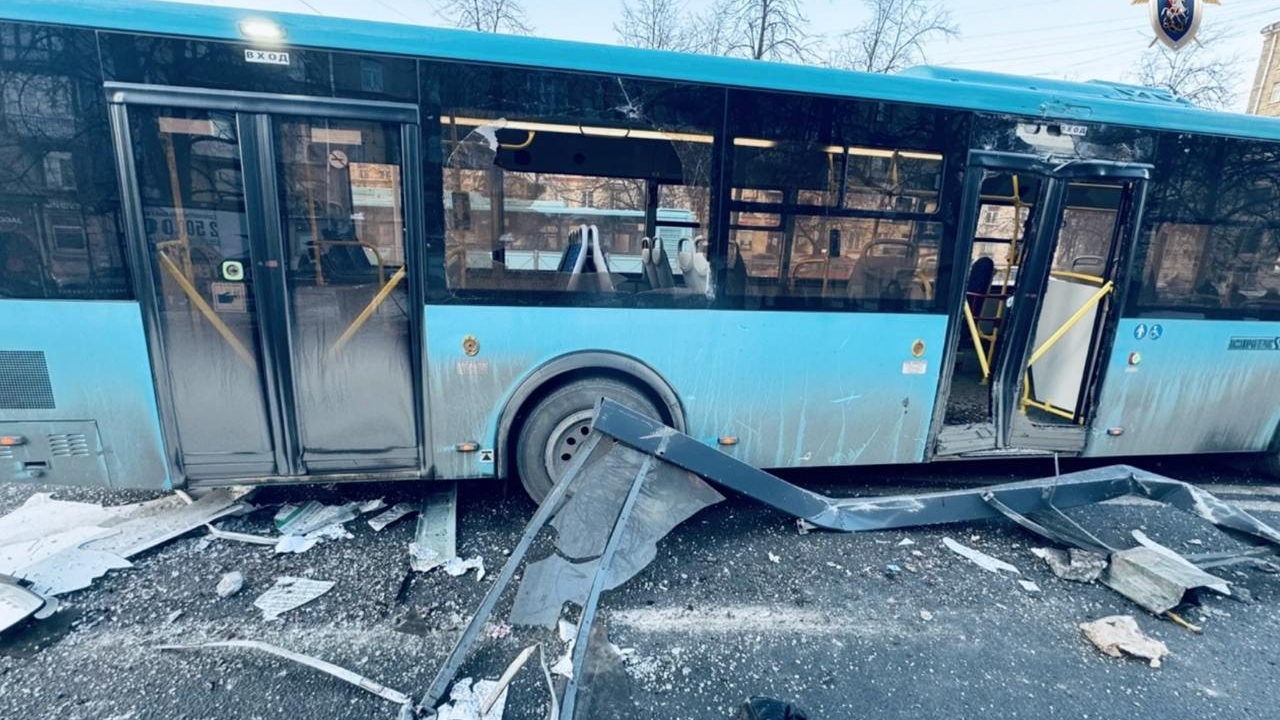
1081	40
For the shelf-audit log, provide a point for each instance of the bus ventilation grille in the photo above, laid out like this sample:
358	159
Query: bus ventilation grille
69	445
24	381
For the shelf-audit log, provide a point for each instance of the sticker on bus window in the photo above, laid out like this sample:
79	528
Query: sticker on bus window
268	57
915	367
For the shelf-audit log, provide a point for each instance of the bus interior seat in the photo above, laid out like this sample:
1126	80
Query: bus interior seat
1089	265
886	269
588	260
646	262
661	264
691	254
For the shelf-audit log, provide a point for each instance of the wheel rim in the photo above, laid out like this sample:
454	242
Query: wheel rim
565	442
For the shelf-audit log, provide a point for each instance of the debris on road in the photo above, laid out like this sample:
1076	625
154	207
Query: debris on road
391	515
16	604
926	616
251	539
500	688
1157	578
60	546
457	567
435	539
289	593
1074	564
465	699
230	584
1119	634
1030	587
328	668
979	558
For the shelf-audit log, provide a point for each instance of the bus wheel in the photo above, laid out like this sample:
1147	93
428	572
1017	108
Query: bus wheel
556	427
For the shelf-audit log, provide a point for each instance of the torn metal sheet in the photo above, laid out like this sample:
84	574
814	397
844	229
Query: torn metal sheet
979	558
70	570
313	516
1073	564
157	523
1118	635
391	515
435	540
289	593
16	604
328	668
883	513
457	567
239	536
667	498
1157	579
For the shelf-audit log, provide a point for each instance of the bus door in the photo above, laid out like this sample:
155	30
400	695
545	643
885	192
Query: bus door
1043	250
269	241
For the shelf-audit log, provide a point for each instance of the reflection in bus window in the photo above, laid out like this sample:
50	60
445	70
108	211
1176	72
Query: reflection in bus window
58	201
835	204
1212	229
603	197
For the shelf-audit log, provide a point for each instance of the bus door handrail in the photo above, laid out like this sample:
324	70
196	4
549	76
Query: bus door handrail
369	310
209	313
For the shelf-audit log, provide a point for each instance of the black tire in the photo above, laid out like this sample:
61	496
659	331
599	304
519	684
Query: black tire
557	424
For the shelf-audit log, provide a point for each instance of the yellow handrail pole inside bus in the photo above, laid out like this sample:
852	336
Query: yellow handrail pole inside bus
1096	280
368	311
315	226
977	342
179	210
208	312
1076	317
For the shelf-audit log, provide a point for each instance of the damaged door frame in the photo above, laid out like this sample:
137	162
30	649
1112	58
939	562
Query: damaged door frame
998	437
257	158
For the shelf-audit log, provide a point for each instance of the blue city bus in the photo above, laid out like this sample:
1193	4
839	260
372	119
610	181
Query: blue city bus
245	247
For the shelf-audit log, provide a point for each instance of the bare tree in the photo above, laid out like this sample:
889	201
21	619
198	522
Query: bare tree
492	16
895	36
757	29
1198	72
656	24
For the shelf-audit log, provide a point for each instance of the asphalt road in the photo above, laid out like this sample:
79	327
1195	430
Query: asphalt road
737	603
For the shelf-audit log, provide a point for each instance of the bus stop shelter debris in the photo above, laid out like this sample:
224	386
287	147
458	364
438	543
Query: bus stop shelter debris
435	540
979	558
1119	635
328	668
1073	564
634	479
290	593
16	603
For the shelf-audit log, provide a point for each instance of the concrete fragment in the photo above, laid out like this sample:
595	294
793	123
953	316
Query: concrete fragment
1157	579
1075	565
230	584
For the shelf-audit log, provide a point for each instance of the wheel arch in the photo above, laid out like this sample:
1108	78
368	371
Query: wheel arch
563	369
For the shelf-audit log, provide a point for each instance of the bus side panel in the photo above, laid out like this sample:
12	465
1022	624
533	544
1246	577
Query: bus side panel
1191	391
91	419
796	389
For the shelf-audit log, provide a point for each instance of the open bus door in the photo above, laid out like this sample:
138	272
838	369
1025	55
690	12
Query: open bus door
1044	246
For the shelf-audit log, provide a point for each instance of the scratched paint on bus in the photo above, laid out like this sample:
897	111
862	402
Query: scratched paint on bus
797	389
1188	392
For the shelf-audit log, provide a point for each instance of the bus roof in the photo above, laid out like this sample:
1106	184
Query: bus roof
946	87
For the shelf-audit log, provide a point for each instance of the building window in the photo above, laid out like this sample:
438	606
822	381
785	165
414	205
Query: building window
1275	93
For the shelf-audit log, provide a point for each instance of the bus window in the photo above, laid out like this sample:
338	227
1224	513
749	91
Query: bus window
58	232
629	160
1212	229
835	204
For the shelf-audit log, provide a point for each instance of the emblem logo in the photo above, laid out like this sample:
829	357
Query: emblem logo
1176	21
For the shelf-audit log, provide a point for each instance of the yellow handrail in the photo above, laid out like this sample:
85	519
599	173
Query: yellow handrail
1095	279
977	342
368	311
1076	317
208	312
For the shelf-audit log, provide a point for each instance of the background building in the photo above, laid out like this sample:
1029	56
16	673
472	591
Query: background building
1265	98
